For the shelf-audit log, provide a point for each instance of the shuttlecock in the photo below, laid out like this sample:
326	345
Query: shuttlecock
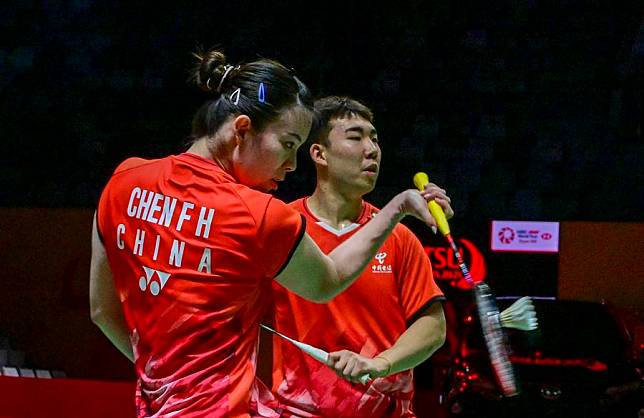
520	315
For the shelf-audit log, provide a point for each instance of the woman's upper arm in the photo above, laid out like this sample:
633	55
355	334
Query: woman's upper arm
309	273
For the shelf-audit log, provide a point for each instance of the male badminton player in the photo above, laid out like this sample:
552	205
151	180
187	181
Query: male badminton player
388	321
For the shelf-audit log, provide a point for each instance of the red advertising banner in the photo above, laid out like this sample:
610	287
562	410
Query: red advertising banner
24	397
446	268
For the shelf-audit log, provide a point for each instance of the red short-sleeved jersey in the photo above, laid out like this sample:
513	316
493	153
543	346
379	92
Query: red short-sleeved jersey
193	253
367	318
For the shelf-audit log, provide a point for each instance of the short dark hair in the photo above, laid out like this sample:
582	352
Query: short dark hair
335	107
260	89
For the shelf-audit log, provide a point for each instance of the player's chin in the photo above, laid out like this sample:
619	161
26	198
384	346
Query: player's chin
266	187
369	183
272	185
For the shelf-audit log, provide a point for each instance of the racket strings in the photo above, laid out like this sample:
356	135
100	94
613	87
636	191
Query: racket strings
495	339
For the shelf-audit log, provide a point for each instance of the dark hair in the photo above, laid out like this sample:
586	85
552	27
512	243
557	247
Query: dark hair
335	107
260	89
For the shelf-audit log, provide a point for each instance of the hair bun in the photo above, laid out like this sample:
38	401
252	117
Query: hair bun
210	68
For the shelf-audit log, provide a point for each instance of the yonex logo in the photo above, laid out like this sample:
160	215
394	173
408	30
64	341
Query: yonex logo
155	284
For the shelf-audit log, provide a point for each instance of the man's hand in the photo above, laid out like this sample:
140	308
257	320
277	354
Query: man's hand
352	366
433	192
414	203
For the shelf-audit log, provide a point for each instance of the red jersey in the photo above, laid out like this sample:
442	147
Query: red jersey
367	318
193	254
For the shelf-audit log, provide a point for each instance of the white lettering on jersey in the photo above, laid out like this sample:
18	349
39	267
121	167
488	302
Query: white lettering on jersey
176	253
158	209
131	208
169	204
138	242
203	221
154	208
156	248
183	216
205	261
120	229
144	205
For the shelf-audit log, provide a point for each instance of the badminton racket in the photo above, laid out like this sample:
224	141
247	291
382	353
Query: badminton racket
317	353
485	303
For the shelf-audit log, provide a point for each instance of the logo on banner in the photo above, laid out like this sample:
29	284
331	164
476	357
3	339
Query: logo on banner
506	235
527	236
445	266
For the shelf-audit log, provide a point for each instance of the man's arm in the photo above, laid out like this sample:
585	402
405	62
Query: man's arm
105	307
415	345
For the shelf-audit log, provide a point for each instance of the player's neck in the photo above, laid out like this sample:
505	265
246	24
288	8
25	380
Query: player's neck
215	151
335	209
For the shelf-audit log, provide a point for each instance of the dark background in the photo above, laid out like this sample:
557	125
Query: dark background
522	109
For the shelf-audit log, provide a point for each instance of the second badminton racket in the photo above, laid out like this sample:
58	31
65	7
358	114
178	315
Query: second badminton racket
485	304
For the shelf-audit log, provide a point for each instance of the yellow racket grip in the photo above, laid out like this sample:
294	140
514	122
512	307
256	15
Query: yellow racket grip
421	180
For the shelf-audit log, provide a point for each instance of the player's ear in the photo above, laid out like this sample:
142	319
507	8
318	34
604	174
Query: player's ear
241	125
317	153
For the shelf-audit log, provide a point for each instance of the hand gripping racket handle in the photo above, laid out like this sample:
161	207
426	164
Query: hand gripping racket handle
317	353
421	180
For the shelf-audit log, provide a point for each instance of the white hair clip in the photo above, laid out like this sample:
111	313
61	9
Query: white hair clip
228	69
234	97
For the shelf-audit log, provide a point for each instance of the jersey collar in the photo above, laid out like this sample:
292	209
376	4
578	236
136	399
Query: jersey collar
365	215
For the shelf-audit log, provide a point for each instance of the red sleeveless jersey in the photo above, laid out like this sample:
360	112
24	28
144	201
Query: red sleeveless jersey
193	254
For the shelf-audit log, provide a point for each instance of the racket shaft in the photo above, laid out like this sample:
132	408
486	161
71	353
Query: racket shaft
460	260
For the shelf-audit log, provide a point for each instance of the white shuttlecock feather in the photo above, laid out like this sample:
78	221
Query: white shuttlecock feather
520	315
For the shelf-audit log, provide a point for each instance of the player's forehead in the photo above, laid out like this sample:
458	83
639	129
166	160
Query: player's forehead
296	119
351	123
